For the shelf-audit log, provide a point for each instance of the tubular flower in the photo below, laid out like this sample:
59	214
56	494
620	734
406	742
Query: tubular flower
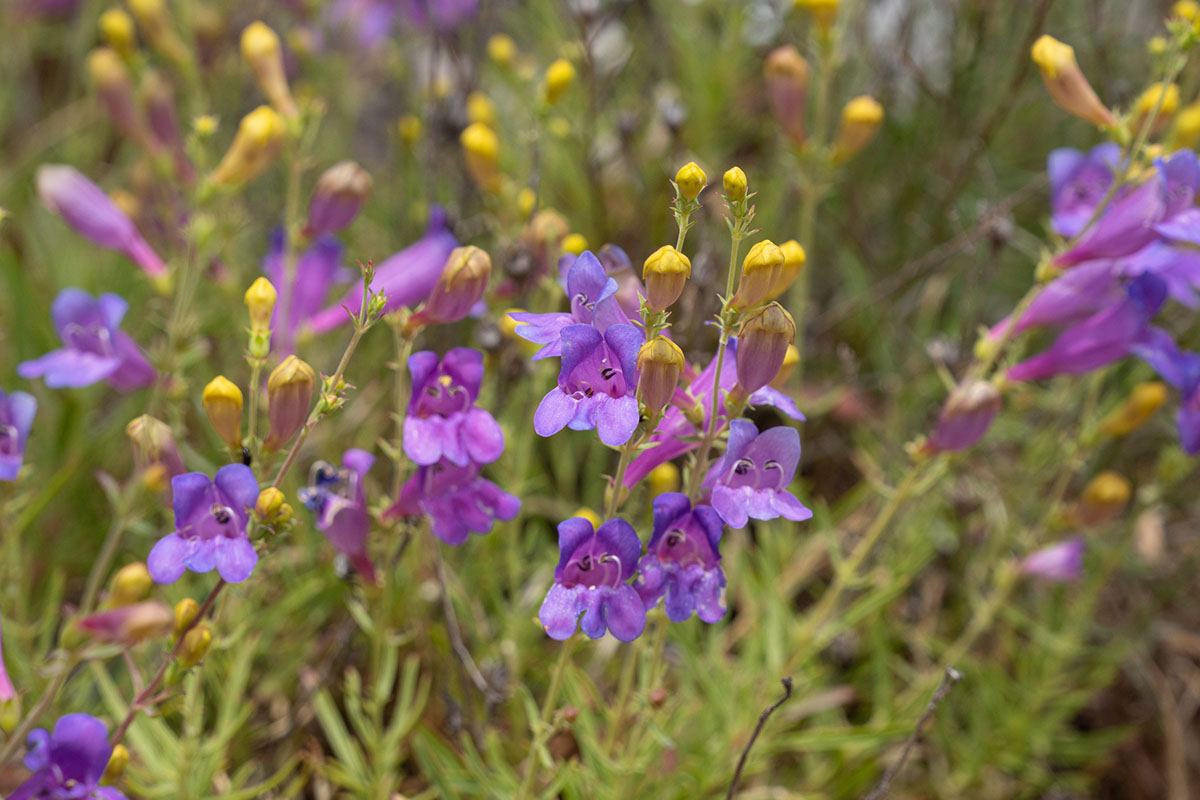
456	499
336	498
262	52
1078	182
592	294
859	125
683	561
1061	562
210	526
1181	369
665	273
289	395
967	415
442	420
659	364
591	580
751	479
255	147
129	624
68	763
301	298
94	347
17	410
461	285
786	74
338	197
1067	84
763	343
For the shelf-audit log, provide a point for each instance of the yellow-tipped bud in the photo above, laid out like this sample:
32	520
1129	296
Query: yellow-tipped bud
222	401
735	184
690	180
1186	9
786	74
409	128
462	284
255	147
526	200
260	301
127	624
186	611
116	764
574	243
761	271
559	77
116	28
663	478
823	12
762	346
152	17
590	515
790	359
481	109
860	122
205	125
1103	499
501	49
1150	99
793	263
270	502
154	447
665	273
264	55
660	363
1066	82
289	396
195	646
481	149
1186	131
130	584
1136	411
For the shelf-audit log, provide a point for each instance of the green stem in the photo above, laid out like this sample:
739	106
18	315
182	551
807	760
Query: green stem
255	390
539	734
624	688
102	562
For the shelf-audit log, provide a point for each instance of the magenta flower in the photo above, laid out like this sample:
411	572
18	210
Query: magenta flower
966	416
337	499
301	298
443	16
8	692
69	763
751	479
592	295
210	526
617	266
1181	369
1060	562
94	347
456	499
406	278
16	420
85	207
591	580
1078	182
683	561
442	420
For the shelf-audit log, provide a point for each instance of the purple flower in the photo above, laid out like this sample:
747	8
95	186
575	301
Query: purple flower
95	348
457	501
7	691
1060	562
406	278
370	20
1181	369
1100	339
443	16
1078	182
442	420
596	384
1069	298
85	207
751	479
210	526
300	298
16	420
591	579
336	497
69	763
593	302
683	560
966	416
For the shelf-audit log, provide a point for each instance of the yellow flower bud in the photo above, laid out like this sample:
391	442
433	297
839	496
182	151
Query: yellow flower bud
574	243
1136	411
289	396
1149	100
195	645
222	401
735	184
264	55
526	199
793	263
154	446
1186	131
1103	499
481	109
660	362
786	74
663	478
560	127
860	121
481	148
790	359
116	765
116	27
1066	82
501	49
154	20
270	503
823	12
590	515
1157	45
762	346
559	77
761	271
690	180
130	584
260	300
205	125
1186	9
665	273
255	147
409	128
186	611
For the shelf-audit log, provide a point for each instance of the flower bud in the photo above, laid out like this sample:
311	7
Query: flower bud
1103	499
222	401
590	515
1136	411
116	28
735	184
260	301
665	273
159	102
762	345
761	271
657	698
966	416
786	74
154	446
1187	10
338	197
659	363
186	611
114	89
255	147
823	12
1185	134
195	646
860	121
663	478
270	503
1066	82
116	765
501	49
128	624
262	52
793	262
130	584
481	109
790	359
1061	562
289	396
1149	100
481	149
690	180
559	77
461	285
574	243
152	17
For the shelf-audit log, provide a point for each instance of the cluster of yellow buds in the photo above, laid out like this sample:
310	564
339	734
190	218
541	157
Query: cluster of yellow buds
272	507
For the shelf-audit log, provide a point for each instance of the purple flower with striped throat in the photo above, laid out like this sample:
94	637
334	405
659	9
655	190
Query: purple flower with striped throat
68	763
456	499
336	498
442	420
750	481
17	410
683	561
592	295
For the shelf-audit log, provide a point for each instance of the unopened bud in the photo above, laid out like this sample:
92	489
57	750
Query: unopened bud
570	713
1185	134
501	49
526	200
665	273
114	89
859	124
663	478
1066	82
195	645
574	243
480	109
794	258
790	359
154	20
186	611
658	697
761	271
735	184
823	12
289	396
408	128
260	301
116	765
559	77
1103	499
786	74
461	285
762	345
222	401
159	102
481	148
1136	411
262	52
255	147
128	624
966	416
270	503
690	180
154	445
590	515
116	28
660	363
130	584
1186	9
1155	96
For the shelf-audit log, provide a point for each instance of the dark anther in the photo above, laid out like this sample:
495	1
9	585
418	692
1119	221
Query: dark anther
246	457
585	563
607	373
742	466
674	538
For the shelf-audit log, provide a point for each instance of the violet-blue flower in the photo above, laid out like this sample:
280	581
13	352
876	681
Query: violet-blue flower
1181	369
442	419
1061	562
336	498
68	763
456	499
1078	182
300	298
683	560
591	580
17	410
751	479
210	526
94	347
592	295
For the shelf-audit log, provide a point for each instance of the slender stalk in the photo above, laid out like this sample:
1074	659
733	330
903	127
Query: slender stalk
255	390
21	731
101	564
539	734
624	689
